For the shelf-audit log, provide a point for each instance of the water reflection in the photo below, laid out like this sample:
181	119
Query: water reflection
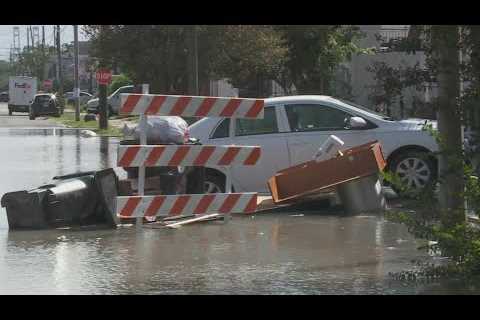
270	254
320	252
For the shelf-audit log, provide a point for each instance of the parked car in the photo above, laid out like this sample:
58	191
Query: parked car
113	100
45	104
4	97
295	127
84	97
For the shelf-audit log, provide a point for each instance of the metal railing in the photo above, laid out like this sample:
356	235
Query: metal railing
391	34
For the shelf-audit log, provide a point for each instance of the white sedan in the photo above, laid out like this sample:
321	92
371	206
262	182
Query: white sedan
293	129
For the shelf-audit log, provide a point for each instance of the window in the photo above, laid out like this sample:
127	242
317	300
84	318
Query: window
222	130
266	125
311	117
42	99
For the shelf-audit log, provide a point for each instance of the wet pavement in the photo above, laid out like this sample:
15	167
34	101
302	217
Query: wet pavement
21	120
281	253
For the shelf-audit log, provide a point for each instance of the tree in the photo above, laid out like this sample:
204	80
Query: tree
239	53
4	74
314	54
247	55
32	62
390	83
445	58
301	57
442	47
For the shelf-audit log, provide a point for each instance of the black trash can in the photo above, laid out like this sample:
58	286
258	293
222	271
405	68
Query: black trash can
74	200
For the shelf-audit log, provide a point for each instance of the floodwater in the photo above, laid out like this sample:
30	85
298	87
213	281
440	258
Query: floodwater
281	253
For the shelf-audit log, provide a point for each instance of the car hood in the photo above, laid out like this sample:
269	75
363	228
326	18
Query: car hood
93	101
415	124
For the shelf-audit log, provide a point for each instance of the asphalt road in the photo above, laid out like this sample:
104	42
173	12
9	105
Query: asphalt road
20	120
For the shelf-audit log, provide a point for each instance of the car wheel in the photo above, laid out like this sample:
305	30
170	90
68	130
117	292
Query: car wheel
10	112
214	184
31	116
415	170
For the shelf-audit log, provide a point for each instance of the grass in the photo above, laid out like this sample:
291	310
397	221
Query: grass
68	119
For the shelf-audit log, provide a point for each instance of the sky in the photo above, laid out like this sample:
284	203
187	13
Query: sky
6	36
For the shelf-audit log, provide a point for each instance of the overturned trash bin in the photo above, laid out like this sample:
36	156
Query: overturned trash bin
362	195
73	200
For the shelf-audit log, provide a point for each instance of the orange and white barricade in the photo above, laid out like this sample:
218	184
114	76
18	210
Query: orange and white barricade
144	155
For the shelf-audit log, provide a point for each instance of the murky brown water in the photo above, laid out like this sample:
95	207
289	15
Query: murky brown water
316	253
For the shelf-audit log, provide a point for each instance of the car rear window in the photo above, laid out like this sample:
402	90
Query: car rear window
247	127
42	99
222	130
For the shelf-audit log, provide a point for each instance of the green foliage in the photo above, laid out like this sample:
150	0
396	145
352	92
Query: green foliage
119	81
4	75
459	241
301	57
314	54
68	119
31	62
246	54
390	83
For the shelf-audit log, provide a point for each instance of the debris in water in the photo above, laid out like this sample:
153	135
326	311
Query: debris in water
87	133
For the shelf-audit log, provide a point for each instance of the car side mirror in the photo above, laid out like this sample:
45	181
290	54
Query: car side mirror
357	123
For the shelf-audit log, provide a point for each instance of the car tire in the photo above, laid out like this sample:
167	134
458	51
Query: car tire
214	183
415	170
10	112
31	116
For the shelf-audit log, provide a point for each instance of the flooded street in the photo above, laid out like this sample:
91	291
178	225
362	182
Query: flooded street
281	253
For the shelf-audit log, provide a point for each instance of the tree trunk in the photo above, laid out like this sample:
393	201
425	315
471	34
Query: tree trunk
446	56
475	62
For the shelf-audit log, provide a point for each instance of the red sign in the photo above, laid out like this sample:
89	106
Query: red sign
47	84
104	76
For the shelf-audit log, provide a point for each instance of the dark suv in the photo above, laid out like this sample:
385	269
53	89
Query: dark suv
4	97
45	104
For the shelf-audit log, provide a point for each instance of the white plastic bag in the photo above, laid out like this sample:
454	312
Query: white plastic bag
161	130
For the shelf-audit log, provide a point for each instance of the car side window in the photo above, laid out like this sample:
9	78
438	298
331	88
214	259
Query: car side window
313	117
222	130
268	124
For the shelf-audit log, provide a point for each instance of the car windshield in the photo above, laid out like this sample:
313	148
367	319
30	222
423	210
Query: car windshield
377	114
122	90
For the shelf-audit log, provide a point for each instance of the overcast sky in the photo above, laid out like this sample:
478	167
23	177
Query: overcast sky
6	36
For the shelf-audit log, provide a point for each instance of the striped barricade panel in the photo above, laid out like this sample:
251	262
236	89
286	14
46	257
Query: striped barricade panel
191	106
171	205
186	155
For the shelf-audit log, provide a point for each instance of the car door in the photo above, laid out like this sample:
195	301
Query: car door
311	124
268	133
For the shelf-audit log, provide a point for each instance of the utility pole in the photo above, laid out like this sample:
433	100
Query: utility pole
76	90
102	88
195	49
192	63
43	38
28	40
59	66
35	36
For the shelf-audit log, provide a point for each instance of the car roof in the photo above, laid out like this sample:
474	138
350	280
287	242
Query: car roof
286	99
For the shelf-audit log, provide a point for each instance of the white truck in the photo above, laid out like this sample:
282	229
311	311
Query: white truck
21	91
